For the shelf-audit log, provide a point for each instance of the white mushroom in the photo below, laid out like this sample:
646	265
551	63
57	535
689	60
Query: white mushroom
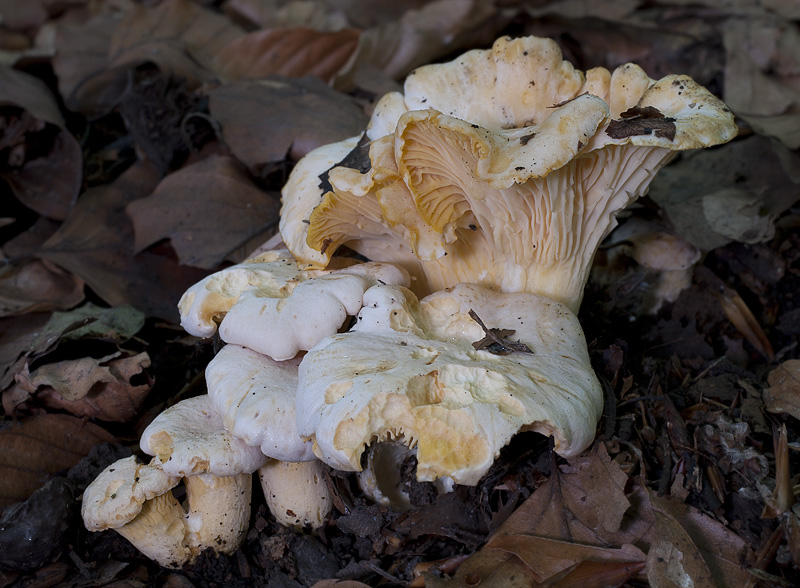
255	396
136	501
270	305
415	372
189	440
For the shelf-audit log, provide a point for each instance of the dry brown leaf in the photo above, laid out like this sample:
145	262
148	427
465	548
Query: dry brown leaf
395	48
317	14
179	36
86	387
263	120
753	165
37	286
17	335
762	65
207	210
783	395
339	584
20	16
43	161
293	52
586	504
549	557
742	318
40	446
96	243
725	556
81	56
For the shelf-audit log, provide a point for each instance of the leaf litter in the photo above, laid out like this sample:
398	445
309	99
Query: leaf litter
142	147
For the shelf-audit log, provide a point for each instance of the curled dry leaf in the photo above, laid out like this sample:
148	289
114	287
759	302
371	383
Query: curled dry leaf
40	446
37	286
783	394
317	14
43	162
207	210
96	243
263	120
292	52
86	387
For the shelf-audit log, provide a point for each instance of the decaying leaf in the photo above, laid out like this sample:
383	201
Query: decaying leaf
86	387
42	445
119	323
207	210
293	52
42	159
96	243
752	167
37	286
783	394
264	120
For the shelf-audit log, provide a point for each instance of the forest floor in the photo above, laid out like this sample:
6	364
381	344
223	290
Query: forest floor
143	145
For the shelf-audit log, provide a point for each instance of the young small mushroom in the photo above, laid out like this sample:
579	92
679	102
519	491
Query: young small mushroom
255	397
272	306
428	374
136	501
188	440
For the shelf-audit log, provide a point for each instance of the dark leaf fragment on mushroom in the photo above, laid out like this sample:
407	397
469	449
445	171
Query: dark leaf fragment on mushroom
496	340
642	121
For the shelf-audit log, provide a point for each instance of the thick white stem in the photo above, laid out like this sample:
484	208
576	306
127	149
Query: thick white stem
296	492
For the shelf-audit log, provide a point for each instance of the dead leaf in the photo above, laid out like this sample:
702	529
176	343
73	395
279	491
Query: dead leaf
294	52
43	165
96	243
440	27
86	387
317	14
549	557
116	324
783	394
742	318
682	534
585	505
16	343
22	15
37	286
762	63
753	165
339	584
263	120
179	36
42	445
207	210
81	57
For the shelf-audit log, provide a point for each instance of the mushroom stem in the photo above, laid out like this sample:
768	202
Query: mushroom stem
296	492
158	531
219	511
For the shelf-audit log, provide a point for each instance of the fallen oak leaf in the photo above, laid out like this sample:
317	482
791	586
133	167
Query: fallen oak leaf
549	557
96	243
43	164
291	52
207	210
496	340
40	446
37	286
264	120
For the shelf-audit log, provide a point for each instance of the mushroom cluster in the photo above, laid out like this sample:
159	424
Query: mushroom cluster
479	196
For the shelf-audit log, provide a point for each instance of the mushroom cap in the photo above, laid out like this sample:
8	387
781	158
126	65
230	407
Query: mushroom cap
272	306
510	178
117	495
255	396
408	370
189	439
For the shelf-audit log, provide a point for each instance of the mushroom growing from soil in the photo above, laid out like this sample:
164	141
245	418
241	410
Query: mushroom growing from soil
255	397
492	180
504	167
